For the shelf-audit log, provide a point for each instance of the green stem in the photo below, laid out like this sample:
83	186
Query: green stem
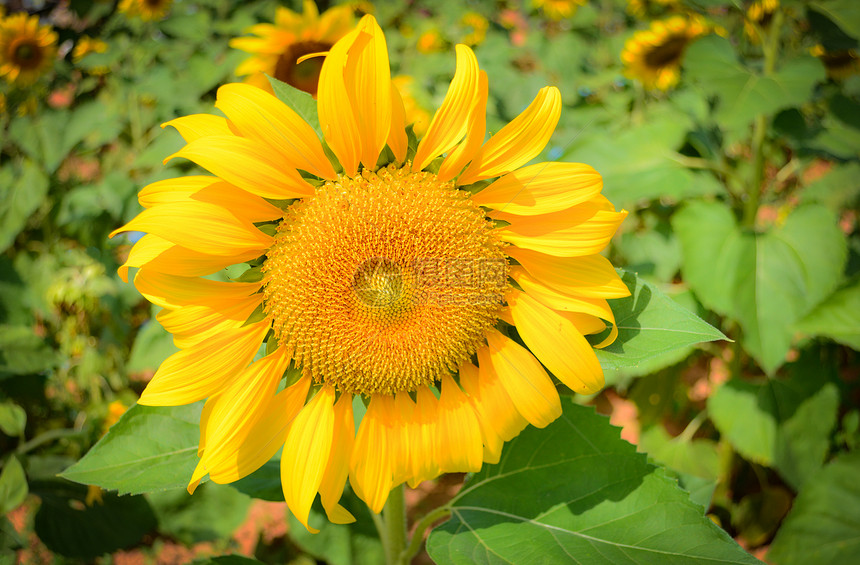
418	535
394	526
45	437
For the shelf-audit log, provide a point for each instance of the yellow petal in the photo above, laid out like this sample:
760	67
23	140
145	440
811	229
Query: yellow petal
306	454
557	343
468	149
368	76
401	438
201	227
259	442
541	188
335	108
397	139
212	190
424	449
192	324
492	402
248	164
581	230
590	276
370	468
158	254
171	292
232	415
459	436
518	142
525	381
205	369
337	470
195	126
451	121
492	442
257	114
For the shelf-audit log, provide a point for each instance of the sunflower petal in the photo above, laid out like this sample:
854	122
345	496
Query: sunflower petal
259	115
195	126
212	190
451	121
560	301
518	142
368	76
397	139
491	440
192	324
205	369
335	108
591	276
525	381
459	435
424	457
468	149
171	291
541	188
370	468
158	254
492	400
557	343
337	470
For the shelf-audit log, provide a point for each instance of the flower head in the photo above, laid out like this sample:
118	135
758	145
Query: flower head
758	16
558	10
388	270
146	10
27	49
276	48
653	56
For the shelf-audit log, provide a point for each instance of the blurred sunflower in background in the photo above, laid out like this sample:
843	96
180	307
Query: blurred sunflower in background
758	16
643	8
27	49
654	56
277	47
386	275
415	112
86	45
558	10
476	27
839	64
431	41
146	10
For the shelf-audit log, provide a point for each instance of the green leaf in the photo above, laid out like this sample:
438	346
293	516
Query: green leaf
844	13
212	513
264	483
712	64
13	419
67	525
650	324
838	189
836	317
227	560
150	449
151	347
581	494
340	544
823	526
13	485
784	424
21	194
302	103
22	352
765	281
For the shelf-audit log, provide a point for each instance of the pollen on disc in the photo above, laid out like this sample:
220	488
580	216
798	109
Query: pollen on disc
384	282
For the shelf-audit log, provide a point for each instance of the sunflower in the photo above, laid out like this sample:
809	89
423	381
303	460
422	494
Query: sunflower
86	45
278	47
758	16
386	273
642	8
476	25
147	10
653	56
840	64
27	49
558	10
431	41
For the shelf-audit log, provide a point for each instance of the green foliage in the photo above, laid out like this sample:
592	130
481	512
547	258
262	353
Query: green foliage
580	490
213	513
13	485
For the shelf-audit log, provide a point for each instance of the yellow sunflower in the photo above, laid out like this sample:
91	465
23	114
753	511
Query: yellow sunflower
653	56
86	45
27	49
839	64
758	16
431	41
476	25
558	10
147	10
277	47
375	276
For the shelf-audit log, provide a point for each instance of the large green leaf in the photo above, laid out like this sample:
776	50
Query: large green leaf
212	513
651	325
836	317
13	485
576	492
150	449
22	190
765	281
743	94
71	527
784	424
13	419
824	525
844	13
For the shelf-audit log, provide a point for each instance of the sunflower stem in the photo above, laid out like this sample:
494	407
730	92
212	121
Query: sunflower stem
418	535
394	529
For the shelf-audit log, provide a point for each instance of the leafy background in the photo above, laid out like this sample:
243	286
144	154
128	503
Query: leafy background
734	381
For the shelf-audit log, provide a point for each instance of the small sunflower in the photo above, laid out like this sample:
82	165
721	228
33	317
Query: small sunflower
27	49
431	41
277	47
558	10
86	45
147	10
385	273
758	16
653	56
839	64
643	8
476	26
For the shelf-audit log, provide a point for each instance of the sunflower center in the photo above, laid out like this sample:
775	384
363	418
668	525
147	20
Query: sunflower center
305	75
384	282
666	53
26	54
